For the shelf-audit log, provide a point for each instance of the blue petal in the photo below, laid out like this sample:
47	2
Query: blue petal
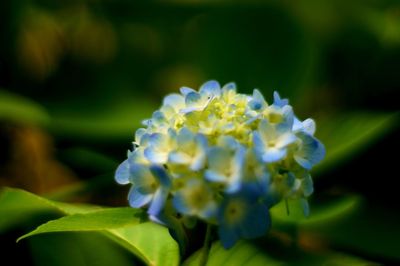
229	86
186	90
158	117
258	101
290	180
257	95
157	139
307	185
235	181
256	222
285	140
209	211
144	139
160	219
248	193
155	156
228	127
213	176
161	175
200	157
309	126
146	122
198	163
201	140
174	100
271	198
273	155
227	142
158	202
179	158
137	199
311	152
210	88
297	124
218	159
192	98
139	134
234	186
227	235
258	187
188	110
180	203
122	173
140	175
255	105
288	117
137	156
185	136
146	188
267	130
258	144
171	135
278	101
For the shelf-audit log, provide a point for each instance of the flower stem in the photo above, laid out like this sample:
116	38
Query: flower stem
206	246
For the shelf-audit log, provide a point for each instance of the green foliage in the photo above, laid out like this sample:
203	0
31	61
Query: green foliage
321	214
346	222
87	72
19	109
369	230
346	135
80	249
89	159
92	221
149	241
17	205
251	254
115	122
125	226
243	253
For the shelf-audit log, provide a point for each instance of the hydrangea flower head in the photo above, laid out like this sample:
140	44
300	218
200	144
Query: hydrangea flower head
221	157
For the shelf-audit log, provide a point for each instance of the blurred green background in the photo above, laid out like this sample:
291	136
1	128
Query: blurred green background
77	77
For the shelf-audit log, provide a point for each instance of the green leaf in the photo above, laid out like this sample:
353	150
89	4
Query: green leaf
92	221
113	122
17	108
89	159
242	253
150	242
346	135
320	214
17	205
124	226
89	186
78	249
247	253
372	229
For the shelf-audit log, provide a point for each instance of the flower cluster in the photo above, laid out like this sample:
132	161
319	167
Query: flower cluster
222	157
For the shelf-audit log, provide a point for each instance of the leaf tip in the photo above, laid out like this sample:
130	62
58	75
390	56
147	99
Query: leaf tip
23	237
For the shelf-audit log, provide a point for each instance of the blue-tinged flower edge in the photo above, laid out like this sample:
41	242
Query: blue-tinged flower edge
221	157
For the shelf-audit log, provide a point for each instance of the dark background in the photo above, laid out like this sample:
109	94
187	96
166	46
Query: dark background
77	77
